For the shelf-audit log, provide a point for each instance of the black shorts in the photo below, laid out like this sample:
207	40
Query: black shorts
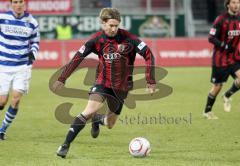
114	98
221	74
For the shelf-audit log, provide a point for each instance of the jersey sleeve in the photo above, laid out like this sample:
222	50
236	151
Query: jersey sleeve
214	34
142	49
68	69
35	38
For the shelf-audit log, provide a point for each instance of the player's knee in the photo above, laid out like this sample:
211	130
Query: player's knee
15	101
237	82
3	103
110	125
216	89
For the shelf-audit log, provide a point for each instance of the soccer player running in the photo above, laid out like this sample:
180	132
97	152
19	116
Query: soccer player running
224	35
116	49
19	44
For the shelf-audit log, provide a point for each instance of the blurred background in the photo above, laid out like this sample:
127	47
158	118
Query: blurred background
176	30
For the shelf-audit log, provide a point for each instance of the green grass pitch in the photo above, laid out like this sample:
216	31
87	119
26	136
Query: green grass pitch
34	137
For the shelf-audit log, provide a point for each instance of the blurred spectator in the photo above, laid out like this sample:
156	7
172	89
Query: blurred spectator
63	31
101	3
211	10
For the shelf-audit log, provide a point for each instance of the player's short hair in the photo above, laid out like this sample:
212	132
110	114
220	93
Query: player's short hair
11	1
226	3
109	13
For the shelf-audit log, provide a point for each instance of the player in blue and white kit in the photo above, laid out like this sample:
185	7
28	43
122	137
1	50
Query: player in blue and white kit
19	44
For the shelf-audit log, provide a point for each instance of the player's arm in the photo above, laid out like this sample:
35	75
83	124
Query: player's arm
34	44
214	36
215	33
68	69
146	53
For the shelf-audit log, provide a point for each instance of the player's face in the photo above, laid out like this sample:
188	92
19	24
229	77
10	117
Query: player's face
234	6
110	27
18	7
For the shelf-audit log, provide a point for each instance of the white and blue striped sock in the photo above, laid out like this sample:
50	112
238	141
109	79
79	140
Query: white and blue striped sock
9	117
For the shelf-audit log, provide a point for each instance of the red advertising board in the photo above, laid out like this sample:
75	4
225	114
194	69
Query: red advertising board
183	52
42	6
167	52
50	56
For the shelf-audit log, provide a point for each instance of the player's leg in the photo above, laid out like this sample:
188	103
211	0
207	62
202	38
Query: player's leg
98	118
233	89
109	119
218	77
216	88
95	102
20	85
115	108
5	83
3	101
12	111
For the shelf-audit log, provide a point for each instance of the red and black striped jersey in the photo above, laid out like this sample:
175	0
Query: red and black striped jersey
116	59
238	54
225	36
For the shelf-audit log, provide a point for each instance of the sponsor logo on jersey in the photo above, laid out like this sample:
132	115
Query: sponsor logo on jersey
121	48
141	45
212	31
16	30
111	56
110	53
233	33
115	52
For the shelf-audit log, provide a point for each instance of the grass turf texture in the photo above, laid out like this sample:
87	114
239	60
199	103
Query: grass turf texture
36	134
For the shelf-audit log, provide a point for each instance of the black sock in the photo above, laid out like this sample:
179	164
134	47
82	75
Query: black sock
1	107
210	101
232	90
99	118
77	125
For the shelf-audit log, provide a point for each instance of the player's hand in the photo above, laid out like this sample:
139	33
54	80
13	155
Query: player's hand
31	58
58	85
151	88
227	47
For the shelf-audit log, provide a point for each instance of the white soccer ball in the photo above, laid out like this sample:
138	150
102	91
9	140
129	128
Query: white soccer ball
139	147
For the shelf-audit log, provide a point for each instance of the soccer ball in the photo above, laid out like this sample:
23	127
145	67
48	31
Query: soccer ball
139	147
